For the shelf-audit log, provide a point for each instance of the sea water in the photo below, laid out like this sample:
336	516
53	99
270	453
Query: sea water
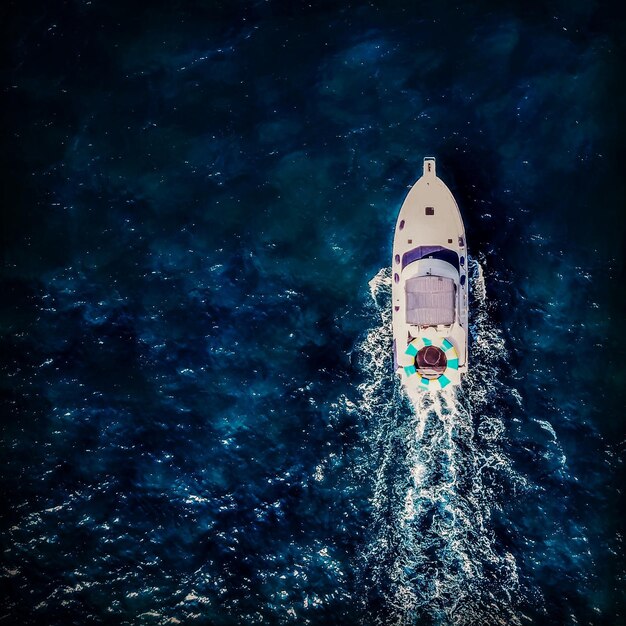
200	420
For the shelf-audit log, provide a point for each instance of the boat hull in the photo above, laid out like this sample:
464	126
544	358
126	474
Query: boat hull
430	286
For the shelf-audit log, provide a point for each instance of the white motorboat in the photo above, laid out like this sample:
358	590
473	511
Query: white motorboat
430	287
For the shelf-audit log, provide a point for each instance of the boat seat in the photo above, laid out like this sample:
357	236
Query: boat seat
430	301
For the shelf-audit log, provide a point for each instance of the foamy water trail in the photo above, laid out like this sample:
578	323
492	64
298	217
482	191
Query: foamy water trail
440	469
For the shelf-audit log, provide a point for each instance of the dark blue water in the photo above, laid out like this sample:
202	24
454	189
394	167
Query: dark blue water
199	423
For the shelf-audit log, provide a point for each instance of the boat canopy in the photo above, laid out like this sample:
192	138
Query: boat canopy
430	301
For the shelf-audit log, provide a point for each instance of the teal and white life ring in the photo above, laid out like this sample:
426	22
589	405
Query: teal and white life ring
449	375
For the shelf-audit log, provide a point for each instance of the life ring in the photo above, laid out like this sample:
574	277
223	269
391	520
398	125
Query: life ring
449	375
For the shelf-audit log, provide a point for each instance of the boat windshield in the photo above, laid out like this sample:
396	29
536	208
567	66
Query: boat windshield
431	252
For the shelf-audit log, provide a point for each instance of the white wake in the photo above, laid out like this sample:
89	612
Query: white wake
439	465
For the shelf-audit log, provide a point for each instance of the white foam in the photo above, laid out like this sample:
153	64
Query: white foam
432	542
